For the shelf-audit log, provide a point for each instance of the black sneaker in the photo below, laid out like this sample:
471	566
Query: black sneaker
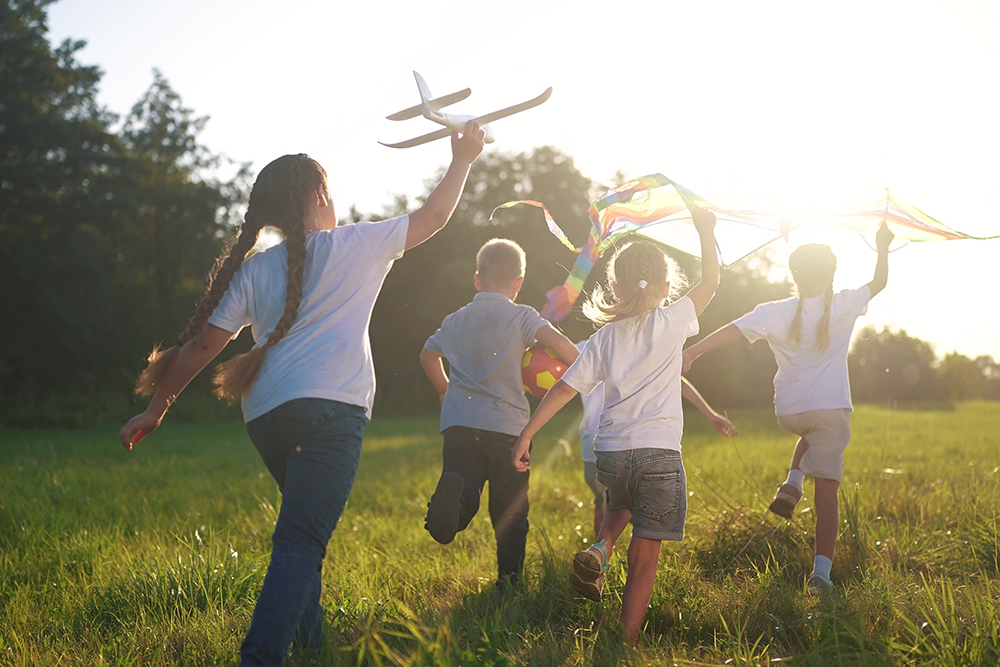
442	511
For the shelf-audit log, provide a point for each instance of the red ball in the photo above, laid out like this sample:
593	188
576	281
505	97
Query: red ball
540	369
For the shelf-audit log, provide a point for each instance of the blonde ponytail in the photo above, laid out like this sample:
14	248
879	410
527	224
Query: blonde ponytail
640	273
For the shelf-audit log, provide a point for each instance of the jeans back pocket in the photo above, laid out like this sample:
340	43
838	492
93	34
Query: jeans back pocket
660	494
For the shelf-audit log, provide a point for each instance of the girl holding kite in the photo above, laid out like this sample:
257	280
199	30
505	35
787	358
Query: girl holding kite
810	334
637	356
308	383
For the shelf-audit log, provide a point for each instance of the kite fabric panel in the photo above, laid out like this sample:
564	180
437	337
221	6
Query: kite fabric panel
904	219
656	208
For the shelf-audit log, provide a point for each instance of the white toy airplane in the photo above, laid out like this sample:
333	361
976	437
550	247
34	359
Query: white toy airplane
429	108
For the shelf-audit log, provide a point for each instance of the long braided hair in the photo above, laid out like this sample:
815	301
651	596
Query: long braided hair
281	197
631	263
813	266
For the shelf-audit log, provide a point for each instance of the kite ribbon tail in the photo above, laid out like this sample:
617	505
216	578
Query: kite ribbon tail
559	300
549	220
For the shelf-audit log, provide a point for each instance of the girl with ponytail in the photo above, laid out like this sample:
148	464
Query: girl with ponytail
810	334
636	355
308	384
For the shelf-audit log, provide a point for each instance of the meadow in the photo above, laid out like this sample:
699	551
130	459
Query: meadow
156	557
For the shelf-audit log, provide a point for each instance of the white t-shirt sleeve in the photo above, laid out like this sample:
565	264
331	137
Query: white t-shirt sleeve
585	373
683	317
754	325
385	240
233	311
856	300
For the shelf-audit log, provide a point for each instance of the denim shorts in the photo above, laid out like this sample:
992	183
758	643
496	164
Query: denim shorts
649	483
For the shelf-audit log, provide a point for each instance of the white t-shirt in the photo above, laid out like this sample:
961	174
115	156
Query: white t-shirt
807	378
326	353
592	405
641	372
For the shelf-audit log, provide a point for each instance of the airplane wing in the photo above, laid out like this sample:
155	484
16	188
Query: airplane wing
437	103
423	139
482	120
517	108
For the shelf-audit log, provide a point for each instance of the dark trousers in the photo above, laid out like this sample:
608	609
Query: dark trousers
479	456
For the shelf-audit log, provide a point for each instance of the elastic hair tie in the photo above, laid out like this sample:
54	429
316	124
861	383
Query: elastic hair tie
642	284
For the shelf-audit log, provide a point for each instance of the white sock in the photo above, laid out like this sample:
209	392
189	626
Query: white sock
821	567
795	478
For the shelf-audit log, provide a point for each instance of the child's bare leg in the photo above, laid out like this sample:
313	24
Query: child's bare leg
643	556
613	526
800	450
598	516
827	516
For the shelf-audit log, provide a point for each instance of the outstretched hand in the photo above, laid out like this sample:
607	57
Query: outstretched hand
137	428
520	455
704	221
724	426
467	146
883	237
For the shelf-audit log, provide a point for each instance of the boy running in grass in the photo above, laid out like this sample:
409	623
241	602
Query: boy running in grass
483	407
637	355
810	334
593	403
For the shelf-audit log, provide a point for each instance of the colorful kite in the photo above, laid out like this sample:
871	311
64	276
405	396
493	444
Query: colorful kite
905	220
656	208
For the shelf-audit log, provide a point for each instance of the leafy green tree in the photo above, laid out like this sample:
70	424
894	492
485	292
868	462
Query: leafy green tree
175	213
888	366
963	377
58	161
105	239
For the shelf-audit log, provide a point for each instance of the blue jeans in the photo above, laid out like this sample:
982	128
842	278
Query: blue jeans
311	447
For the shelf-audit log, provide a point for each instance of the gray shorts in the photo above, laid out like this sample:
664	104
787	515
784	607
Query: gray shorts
650	484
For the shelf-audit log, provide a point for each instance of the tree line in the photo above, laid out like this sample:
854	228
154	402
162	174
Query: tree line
109	225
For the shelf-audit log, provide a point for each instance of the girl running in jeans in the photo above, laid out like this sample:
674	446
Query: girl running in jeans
637	355
809	335
307	385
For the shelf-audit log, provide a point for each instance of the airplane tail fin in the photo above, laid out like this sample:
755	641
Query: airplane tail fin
425	94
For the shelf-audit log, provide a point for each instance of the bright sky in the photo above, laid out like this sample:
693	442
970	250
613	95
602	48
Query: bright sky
770	105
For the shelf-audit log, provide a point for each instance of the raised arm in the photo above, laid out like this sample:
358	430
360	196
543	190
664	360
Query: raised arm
882	240
702	293
430	218
694	397
718	338
434	368
192	358
555	400
562	346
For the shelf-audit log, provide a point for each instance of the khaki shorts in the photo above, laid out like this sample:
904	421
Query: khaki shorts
827	432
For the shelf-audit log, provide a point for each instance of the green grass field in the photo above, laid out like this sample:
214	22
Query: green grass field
156	557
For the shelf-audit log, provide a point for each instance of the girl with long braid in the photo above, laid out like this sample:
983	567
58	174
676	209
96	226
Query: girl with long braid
810	334
308	384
